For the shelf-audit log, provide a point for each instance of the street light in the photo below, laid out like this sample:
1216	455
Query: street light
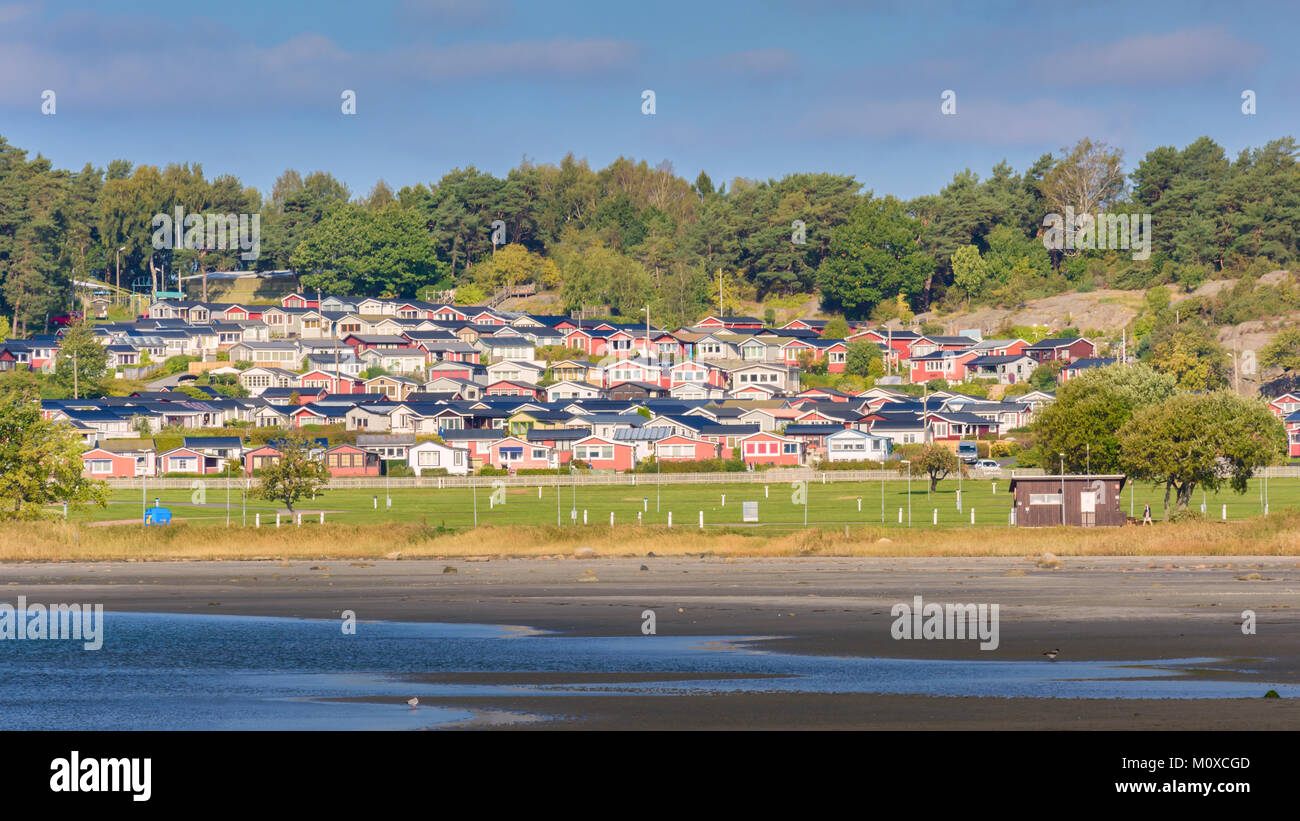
908	462
1062	455
118	257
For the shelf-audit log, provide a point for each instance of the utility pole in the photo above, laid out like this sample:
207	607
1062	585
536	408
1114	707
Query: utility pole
75	389
719	292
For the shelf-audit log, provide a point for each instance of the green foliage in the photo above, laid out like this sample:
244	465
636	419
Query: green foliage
179	364
1206	439
836	328
700	466
81	365
296	475
1089	410
936	460
875	254
1282	351
40	461
470	294
864	359
1189	352
970	273
356	250
1044	376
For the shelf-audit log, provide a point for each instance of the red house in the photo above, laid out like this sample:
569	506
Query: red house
1064	349
297	301
679	448
184	460
512	453
1285	405
954	425
602	454
770	449
730	323
259	458
350	460
507	388
98	463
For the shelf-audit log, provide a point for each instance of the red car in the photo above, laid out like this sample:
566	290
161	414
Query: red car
68	318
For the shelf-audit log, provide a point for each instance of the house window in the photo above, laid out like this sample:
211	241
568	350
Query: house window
790	448
101	466
429	458
539	453
1044	498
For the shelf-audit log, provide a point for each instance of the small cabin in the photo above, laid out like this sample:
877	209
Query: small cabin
1074	500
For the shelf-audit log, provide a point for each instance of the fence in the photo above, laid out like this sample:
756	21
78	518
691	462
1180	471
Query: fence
618	479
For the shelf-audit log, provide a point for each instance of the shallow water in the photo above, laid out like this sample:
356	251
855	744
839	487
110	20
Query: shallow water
172	672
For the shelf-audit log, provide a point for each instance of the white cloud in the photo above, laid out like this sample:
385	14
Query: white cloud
1175	58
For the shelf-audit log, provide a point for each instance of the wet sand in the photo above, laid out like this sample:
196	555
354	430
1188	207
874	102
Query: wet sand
1095	608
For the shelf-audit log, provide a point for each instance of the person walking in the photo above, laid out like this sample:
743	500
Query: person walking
1146	514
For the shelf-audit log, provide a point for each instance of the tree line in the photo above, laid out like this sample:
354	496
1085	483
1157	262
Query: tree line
631	234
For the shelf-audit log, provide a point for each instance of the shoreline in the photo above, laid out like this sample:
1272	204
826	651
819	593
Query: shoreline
1090	608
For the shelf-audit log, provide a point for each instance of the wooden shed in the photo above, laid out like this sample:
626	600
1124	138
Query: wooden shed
1088	500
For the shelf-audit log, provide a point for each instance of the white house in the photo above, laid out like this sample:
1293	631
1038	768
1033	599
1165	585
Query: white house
430	456
853	445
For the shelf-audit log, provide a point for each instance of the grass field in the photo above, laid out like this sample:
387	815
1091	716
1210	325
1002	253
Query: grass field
830	504
440	523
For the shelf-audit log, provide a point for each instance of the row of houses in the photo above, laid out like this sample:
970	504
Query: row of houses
520	433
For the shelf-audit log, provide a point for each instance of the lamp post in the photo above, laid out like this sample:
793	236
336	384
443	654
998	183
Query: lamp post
117	256
908	462
1062	455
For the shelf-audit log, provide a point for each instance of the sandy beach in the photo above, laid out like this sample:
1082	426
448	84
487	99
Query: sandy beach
1094	608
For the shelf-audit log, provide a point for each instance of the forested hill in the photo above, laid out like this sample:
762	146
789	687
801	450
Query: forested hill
630	234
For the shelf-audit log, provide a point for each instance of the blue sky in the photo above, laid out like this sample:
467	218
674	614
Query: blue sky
756	89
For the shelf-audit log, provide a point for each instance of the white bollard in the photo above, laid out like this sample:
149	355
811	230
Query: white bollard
645	504
374	501
900	515
277	520
257	520
439	484
670	518
539	492
611	518
584	515
638	517
1224	515
764	491
995	488
298	523
823	478
724	500
701	520
972	515
322	517
934	518
859	504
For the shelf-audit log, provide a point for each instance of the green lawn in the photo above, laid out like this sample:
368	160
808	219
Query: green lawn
833	503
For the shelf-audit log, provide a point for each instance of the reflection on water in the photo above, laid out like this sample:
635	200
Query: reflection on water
163	671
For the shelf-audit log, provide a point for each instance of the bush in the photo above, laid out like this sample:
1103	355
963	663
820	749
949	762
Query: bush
864	464
700	466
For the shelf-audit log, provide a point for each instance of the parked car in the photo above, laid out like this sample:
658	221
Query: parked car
68	318
968	452
986	466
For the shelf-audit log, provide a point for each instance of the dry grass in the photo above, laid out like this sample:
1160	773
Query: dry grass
1278	534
